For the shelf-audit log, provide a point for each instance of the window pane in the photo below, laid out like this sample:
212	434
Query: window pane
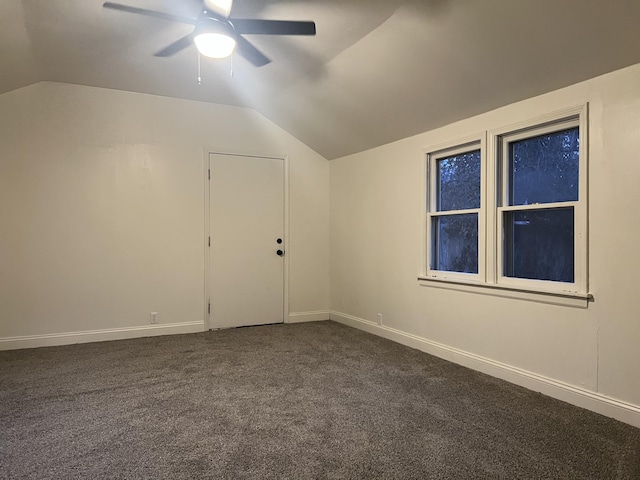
459	182
539	244
456	243
544	169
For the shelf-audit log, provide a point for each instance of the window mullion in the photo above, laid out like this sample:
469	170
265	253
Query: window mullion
491	199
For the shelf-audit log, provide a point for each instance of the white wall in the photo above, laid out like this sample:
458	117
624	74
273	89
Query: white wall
102	210
376	255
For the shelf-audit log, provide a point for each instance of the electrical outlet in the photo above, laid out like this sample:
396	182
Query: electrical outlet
154	318
379	319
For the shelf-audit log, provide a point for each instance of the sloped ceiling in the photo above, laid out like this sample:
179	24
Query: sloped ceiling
377	71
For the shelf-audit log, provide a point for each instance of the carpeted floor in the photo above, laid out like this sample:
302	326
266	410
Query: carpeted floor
305	401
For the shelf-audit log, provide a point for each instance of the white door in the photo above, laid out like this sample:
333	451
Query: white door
246	205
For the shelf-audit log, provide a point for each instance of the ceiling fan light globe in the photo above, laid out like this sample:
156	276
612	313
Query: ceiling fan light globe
214	45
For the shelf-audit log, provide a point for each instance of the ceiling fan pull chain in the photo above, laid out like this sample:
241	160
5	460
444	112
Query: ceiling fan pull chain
231	61
199	71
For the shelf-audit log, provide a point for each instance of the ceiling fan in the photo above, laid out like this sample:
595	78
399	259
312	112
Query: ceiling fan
216	34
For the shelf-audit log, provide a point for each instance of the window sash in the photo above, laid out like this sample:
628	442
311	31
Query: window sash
520	282
504	140
430	176
434	255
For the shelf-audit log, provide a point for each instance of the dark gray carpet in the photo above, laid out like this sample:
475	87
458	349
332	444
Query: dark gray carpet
304	401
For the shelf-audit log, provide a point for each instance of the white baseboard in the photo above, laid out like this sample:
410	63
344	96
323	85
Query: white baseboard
596	402
316	316
68	338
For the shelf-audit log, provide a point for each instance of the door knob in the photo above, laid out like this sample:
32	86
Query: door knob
280	253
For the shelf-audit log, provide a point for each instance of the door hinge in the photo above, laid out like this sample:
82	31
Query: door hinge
209	174
209	241
209	308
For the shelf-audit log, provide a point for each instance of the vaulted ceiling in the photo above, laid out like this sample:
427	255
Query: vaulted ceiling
377	71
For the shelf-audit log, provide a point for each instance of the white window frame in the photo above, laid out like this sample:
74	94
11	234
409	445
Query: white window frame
494	170
470	144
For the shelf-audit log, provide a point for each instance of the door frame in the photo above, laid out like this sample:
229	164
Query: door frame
207	228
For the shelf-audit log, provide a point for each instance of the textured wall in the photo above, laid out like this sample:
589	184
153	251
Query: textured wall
376	233
102	207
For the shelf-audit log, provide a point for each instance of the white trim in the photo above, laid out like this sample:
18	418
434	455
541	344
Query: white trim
88	336
459	143
207	236
425	231
581	218
315	316
596	402
555	117
522	292
286	239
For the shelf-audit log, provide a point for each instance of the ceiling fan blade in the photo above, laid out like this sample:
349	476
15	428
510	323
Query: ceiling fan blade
176	46
251	53
273	27
148	13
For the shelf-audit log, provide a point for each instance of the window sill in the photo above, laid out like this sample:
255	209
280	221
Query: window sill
576	300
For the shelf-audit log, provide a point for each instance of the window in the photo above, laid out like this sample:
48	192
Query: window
455	210
513	215
539	197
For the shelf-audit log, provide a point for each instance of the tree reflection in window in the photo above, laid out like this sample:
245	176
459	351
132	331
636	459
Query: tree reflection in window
539	242
456	234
